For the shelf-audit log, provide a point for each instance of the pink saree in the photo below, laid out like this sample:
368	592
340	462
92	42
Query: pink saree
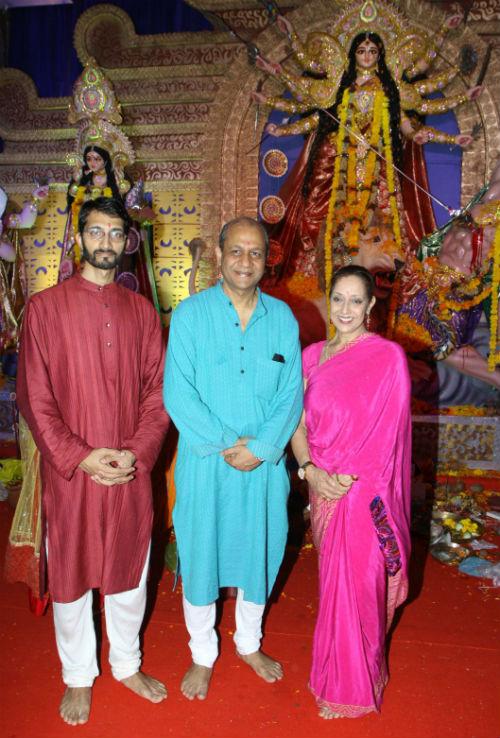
358	421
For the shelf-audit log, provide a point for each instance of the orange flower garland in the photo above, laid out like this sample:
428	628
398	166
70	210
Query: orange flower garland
333	196
494	356
391	185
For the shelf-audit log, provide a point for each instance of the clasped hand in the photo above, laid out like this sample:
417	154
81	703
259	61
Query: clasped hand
330	486
240	457
109	466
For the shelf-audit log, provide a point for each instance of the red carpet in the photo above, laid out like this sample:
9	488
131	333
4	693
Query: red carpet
444	663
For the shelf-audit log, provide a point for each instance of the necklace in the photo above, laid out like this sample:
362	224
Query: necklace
364	75
330	350
100	179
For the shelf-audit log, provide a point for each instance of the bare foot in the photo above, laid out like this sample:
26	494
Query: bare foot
327	714
267	668
196	681
75	705
146	686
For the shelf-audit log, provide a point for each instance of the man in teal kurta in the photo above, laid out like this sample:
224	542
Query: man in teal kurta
233	388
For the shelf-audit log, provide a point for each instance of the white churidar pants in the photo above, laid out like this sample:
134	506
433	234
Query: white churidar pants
200	622
76	640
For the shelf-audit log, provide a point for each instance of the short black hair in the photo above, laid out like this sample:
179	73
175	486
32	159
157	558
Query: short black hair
110	206
244	220
354	270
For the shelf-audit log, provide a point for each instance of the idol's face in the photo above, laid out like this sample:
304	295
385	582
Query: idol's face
367	55
349	305
243	258
94	161
102	241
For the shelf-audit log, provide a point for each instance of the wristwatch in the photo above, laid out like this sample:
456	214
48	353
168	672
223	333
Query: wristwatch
302	469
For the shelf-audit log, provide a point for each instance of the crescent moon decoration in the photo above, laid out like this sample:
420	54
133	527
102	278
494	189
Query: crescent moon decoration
62	212
166	212
190	211
41	269
39	244
165	271
166	243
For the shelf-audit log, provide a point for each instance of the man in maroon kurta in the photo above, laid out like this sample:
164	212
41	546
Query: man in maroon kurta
90	388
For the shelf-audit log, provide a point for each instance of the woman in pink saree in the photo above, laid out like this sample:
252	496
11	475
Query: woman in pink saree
353	446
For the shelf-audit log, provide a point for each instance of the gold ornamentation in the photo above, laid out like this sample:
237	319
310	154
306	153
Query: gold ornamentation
494	356
96	110
275	163
272	209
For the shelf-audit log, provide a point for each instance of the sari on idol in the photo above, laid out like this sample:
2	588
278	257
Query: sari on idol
358	422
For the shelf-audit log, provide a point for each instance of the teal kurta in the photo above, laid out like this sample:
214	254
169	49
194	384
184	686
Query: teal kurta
222	383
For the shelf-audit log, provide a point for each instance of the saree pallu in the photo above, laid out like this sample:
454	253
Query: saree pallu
358	422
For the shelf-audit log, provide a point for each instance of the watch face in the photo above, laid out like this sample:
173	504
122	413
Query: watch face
301	472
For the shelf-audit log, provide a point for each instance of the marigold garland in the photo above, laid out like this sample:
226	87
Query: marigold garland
356	202
333	196
391	185
412	336
494	356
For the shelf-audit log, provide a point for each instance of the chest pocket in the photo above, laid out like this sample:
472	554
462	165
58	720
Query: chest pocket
267	376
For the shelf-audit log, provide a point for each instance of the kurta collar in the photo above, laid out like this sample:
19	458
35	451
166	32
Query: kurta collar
260	308
92	287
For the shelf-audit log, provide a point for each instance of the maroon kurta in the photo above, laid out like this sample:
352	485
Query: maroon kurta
90	376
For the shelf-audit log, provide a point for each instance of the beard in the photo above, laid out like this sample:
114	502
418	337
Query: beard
111	262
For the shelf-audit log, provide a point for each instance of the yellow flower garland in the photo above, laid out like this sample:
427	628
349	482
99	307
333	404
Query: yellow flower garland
333	196
355	207
391	185
494	356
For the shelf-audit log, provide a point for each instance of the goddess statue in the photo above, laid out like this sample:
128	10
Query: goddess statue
102	151
360	97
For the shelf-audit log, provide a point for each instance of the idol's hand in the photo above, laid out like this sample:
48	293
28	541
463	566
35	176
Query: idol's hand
240	457
463	140
284	25
258	97
453	21
272	129
421	137
272	68
473	92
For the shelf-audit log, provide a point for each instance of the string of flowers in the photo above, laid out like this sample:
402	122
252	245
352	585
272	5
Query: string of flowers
389	170
356	212
494	356
339	145
459	292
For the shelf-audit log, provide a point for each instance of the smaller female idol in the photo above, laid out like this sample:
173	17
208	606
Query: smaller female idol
353	447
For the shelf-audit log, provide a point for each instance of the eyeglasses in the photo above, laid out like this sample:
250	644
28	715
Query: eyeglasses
115	235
